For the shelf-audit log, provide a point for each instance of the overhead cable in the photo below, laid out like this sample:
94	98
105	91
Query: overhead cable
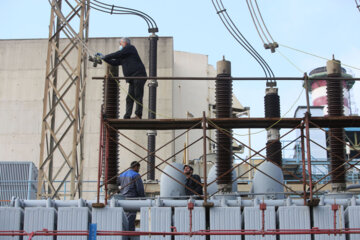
113	9
239	37
255	16
257	6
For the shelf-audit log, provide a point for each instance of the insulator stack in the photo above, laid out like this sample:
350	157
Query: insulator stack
273	151
334	92
272	110
272	105
111	110
223	95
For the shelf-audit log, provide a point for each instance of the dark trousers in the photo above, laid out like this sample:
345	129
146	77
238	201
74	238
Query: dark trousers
131	216
136	91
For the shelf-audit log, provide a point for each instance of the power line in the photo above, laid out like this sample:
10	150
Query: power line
257	19
257	6
113	9
239	37
317	56
258	25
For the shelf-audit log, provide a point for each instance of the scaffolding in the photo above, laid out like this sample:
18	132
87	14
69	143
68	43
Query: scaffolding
311	187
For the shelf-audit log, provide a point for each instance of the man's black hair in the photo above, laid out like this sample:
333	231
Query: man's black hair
191	168
134	164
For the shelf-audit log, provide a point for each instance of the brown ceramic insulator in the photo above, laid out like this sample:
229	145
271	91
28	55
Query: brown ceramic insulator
111	110
273	152
223	94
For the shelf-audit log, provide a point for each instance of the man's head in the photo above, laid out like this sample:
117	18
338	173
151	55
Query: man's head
124	42
188	170
135	165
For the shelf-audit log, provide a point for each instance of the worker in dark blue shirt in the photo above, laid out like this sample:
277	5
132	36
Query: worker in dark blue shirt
132	187
128	57
190	183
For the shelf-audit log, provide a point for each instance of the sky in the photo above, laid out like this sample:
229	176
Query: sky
321	27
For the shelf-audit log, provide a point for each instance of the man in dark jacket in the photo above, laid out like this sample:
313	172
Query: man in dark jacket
132	66
188	171
132	187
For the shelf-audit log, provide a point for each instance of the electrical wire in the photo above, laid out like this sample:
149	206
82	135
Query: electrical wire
102	7
317	56
258	9
270	72
255	16
113	9
239	37
257	19
291	62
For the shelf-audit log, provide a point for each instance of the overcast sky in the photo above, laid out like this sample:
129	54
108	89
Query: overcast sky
321	27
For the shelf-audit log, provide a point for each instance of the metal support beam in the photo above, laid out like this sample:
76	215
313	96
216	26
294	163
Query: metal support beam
168	124
64	100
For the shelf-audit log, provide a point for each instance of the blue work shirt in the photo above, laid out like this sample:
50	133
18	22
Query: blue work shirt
134	189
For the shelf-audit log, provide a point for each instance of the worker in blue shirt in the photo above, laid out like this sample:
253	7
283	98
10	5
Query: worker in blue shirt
131	187
132	66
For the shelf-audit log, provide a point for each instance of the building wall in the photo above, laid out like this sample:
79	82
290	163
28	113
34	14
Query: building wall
193	97
22	78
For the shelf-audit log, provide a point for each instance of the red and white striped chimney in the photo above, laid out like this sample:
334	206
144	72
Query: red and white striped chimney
318	89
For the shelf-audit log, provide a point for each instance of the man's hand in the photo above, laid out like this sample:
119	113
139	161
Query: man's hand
100	55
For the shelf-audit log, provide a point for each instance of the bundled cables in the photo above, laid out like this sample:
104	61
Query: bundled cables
239	37
255	16
112	9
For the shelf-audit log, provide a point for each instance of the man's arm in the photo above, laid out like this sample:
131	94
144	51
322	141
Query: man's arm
140	187
117	56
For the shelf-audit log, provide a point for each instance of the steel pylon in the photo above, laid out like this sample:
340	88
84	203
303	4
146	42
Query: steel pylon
62	134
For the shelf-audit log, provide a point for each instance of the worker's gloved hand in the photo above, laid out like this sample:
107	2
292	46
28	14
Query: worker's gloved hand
100	55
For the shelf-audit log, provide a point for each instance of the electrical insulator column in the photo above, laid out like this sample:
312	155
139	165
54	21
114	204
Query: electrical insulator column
223	96
111	110
272	110
334	91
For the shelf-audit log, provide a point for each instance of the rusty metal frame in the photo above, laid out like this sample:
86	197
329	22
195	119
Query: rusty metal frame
62	132
206	123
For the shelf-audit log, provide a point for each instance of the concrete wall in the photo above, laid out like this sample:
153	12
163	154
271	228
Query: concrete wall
22	78
193	96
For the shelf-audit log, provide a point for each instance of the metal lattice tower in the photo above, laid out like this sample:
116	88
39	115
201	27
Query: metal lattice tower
62	133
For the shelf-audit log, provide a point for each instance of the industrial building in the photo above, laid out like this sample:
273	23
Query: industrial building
64	143
24	84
